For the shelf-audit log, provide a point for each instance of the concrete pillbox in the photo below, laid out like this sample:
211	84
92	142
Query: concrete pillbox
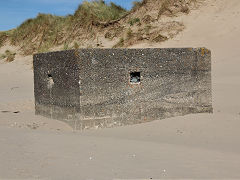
96	88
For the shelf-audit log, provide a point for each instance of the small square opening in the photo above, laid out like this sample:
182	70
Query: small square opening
135	77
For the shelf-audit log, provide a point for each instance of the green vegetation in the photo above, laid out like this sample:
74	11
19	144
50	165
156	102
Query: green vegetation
10	56
133	21
129	34
147	29
3	37
76	45
65	46
95	11
38	34
46	30
90	21
2	56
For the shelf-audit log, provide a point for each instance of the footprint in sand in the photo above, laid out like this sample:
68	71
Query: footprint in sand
15	112
5	111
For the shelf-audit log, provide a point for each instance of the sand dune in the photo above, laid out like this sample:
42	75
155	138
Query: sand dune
193	146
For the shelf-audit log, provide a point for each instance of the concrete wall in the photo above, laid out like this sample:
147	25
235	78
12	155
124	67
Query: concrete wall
92	86
57	97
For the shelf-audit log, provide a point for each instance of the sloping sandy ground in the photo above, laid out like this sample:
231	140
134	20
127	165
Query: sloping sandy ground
193	146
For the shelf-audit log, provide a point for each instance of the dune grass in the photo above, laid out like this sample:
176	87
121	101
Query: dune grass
46	30
98	11
138	4
3	37
9	55
41	33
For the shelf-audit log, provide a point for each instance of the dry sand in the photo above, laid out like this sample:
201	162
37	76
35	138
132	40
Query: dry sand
194	146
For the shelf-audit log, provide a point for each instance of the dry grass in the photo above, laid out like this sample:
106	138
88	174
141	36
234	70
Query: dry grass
2	56
120	43
39	34
129	34
76	45
172	7
46	30
138	4
158	38
90	21
3	37
8	55
66	46
90	12
133	21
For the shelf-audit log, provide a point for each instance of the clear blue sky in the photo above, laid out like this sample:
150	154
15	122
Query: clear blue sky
14	12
